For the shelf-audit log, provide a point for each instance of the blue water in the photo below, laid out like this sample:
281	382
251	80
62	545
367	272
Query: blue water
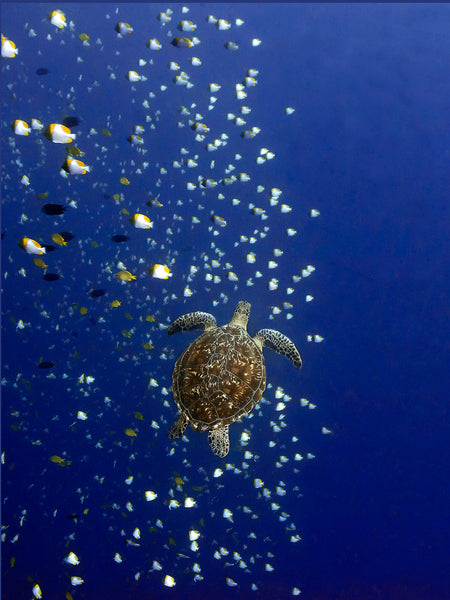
367	146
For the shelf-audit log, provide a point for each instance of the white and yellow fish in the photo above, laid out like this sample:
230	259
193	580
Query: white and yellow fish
124	28
133	76
9	49
154	44
75	167
141	221
31	246
20	127
57	18
59	134
160	272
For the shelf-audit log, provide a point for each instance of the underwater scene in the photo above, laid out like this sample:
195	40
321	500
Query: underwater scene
224	301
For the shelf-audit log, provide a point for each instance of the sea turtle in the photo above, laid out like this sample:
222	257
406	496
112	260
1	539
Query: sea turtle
221	376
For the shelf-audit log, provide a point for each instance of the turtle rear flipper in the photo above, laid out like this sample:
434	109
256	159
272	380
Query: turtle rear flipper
219	440
279	343
177	429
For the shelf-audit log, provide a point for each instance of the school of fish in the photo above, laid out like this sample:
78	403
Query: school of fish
127	217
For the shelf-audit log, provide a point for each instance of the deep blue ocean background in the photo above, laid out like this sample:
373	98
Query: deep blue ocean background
367	146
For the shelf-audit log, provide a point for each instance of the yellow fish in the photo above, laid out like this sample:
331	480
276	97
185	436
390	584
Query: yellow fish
124	181
83	37
147	346
115	303
40	263
58	239
43	195
125	276
130	432
106	132
138	415
60	461
83	310
74	151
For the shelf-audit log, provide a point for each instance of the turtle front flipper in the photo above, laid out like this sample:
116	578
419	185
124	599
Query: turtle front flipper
279	343
219	440
194	320
178	427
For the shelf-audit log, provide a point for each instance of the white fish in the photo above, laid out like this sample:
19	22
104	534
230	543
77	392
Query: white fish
227	514
169	581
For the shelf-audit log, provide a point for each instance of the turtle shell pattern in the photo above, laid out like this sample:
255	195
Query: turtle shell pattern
219	378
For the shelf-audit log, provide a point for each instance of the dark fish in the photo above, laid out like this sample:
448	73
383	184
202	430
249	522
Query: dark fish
54	209
97	293
67	236
46	365
51	277
73	517
3	235
49	247
42	71
71	121
119	237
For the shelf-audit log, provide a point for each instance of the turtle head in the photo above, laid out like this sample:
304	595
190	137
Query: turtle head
241	314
